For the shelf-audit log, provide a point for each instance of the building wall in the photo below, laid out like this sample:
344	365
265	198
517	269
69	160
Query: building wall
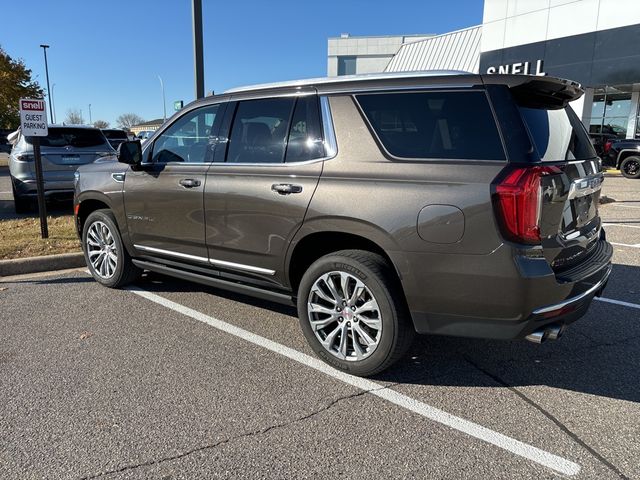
594	42
372	54
459	50
509	23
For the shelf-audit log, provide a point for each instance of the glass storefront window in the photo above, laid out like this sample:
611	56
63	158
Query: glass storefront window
610	112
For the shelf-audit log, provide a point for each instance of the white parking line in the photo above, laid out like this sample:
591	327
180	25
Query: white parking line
620	225
618	302
637	245
509	444
625	206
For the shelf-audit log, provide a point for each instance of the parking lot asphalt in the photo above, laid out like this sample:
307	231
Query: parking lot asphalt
176	380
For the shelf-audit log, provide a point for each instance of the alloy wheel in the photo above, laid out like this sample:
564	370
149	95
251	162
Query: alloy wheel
632	167
102	250
344	316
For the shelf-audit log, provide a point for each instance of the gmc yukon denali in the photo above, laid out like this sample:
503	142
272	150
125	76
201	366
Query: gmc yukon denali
380	205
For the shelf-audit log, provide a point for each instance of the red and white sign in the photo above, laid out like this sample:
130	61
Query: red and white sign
33	117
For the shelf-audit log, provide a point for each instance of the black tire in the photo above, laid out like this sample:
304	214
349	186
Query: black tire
20	204
124	271
378	277
630	167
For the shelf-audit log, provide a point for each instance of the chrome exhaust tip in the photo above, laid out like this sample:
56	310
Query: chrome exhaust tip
552	332
538	336
555	332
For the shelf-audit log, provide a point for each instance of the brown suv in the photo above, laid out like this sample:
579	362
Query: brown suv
383	205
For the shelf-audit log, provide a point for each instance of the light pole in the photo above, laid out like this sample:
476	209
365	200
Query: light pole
198	58
53	87
46	69
164	103
89	114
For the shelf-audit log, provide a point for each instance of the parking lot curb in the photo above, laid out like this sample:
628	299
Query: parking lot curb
21	266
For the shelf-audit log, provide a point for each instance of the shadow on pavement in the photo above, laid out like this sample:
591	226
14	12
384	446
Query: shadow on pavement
599	354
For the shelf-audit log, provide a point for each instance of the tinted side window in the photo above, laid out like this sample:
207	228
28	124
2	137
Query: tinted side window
259	131
187	140
451	125
305	136
558	134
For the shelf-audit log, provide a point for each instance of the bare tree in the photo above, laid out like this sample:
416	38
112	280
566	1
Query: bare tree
101	124
74	117
128	120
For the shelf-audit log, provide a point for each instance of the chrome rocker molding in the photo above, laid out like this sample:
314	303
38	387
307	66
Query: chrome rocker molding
577	298
212	261
264	294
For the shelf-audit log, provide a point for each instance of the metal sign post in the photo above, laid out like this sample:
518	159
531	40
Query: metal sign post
33	124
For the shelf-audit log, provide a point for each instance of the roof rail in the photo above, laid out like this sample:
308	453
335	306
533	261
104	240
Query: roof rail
348	78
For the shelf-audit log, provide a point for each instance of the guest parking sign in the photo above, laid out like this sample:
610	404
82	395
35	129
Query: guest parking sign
33	117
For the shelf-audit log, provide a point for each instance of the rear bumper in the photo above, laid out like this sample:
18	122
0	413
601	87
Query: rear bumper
503	295
58	188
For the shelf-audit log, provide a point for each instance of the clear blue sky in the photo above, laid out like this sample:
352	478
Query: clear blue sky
109	53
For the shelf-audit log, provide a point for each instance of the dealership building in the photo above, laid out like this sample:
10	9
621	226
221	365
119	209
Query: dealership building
594	42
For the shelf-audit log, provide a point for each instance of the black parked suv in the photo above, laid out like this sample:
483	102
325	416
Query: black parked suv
623	154
380	206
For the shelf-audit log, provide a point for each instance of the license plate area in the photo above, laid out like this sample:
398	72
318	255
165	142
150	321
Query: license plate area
582	210
70	159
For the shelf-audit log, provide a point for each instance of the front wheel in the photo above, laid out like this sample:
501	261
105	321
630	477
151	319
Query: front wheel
630	167
352	312
106	257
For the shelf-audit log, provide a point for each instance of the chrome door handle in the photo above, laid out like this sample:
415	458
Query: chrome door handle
286	188
190	182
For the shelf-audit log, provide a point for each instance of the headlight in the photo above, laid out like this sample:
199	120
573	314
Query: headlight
76	177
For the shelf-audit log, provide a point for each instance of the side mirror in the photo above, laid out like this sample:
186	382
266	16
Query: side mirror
130	152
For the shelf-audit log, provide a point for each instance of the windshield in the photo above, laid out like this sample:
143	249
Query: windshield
72	137
557	134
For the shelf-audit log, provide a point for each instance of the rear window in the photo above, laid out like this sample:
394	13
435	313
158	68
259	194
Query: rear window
115	134
72	137
446	125
557	134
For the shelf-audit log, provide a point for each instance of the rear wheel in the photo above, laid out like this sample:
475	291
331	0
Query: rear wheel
352	312
107	259
630	167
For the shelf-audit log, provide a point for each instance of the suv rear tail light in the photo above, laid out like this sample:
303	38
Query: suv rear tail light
607	146
518	201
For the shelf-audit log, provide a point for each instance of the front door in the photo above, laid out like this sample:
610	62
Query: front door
257	197
164	197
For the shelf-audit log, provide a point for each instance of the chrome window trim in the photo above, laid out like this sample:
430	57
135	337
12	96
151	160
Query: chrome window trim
212	261
328	131
169	252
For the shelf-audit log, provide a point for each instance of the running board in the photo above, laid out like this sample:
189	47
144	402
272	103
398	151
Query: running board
255	292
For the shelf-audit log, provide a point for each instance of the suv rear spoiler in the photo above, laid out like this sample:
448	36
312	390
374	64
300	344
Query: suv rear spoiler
538	92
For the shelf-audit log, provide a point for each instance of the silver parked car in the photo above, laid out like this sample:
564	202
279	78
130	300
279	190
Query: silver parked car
63	150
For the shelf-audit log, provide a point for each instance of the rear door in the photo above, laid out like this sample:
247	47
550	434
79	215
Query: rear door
257	195
569	220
